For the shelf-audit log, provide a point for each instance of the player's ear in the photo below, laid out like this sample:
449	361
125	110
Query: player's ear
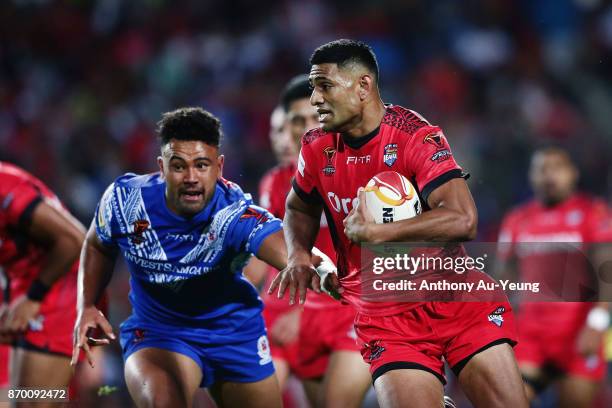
366	84
220	161
160	164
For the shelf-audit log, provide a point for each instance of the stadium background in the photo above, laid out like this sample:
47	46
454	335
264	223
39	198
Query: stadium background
82	84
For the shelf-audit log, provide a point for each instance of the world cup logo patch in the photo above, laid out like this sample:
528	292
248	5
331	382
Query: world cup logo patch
390	154
329	168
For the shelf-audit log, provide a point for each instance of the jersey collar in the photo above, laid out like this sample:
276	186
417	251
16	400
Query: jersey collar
358	142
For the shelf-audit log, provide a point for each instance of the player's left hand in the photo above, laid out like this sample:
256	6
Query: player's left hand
19	314
357	224
589	341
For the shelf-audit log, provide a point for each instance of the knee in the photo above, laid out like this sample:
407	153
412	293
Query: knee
158	398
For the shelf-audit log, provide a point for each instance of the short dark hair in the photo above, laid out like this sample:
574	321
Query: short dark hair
190	123
343	52
297	88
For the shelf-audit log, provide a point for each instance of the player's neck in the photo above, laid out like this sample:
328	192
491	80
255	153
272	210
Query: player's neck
370	120
555	202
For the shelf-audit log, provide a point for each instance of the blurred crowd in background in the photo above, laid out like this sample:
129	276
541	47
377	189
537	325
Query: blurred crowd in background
82	84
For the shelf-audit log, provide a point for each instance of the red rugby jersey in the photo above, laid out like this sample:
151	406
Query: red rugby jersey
548	257
273	190
332	167
20	258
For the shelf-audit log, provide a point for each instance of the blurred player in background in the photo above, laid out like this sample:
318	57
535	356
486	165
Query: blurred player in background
39	245
557	338
318	343
403	342
185	233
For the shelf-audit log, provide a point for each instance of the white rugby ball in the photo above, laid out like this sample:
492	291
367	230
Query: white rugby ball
391	197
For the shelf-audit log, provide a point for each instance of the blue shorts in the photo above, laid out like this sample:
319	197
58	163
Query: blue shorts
245	361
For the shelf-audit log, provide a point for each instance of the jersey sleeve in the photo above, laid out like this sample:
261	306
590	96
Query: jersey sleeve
20	202
252	227
271	197
104	217
305	181
430	161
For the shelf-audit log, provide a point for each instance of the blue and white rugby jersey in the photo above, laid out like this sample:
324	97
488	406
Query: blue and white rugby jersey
186	273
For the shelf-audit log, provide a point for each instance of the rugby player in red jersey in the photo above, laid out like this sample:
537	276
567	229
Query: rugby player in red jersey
403	342
39	245
324	354
557	338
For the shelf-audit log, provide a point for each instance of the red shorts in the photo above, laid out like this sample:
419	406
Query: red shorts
51	331
287	352
323	331
4	365
544	344
420	337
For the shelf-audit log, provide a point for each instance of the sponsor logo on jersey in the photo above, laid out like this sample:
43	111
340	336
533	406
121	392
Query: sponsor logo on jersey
341	204
441	155
436	138
358	159
140	227
496	316
182	237
329	168
263	351
375	350
390	154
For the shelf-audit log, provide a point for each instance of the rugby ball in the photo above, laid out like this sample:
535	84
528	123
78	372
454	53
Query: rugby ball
391	197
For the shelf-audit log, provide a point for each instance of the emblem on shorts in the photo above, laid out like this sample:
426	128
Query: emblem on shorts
376	350
138	335
329	168
390	154
36	324
263	351
496	316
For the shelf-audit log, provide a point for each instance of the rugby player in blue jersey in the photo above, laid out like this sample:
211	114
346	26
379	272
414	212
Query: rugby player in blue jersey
185	234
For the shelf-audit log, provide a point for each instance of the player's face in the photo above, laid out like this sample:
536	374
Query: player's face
191	170
302	116
553	176
336	96
280	139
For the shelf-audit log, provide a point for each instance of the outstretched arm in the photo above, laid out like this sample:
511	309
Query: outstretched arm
95	271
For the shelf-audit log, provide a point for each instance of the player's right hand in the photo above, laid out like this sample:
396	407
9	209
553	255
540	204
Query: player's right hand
298	278
89	319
